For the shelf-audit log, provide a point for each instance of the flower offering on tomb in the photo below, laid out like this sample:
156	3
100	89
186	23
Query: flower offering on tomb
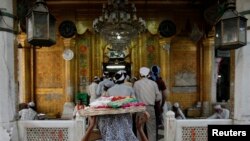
113	105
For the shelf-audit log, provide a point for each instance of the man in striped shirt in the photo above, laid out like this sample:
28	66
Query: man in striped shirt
147	91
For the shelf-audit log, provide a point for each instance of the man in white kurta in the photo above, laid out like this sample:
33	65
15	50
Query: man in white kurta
29	113
220	113
92	89
147	91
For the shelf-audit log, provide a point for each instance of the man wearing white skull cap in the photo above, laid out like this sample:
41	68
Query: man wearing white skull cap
120	89
147	91
220	113
28	113
101	86
31	104
144	71
178	112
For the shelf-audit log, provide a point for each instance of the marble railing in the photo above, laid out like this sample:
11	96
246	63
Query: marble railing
51	130
188	129
74	130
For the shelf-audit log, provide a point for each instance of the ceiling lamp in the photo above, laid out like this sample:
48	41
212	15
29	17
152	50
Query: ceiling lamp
230	30
118	23
40	25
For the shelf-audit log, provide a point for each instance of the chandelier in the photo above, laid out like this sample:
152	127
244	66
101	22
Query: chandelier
118	23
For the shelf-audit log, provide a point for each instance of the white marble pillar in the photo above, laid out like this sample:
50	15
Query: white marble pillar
242	73
8	125
169	126
81	128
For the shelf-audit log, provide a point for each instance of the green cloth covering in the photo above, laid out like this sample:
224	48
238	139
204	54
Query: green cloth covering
84	97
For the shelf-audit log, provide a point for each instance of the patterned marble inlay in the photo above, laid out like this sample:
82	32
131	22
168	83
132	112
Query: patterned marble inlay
47	134
194	133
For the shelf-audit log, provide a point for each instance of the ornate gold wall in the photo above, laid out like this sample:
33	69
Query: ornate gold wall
51	74
184	71
49	80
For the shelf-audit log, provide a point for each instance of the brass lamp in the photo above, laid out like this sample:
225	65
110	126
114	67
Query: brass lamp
230	30
40	25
